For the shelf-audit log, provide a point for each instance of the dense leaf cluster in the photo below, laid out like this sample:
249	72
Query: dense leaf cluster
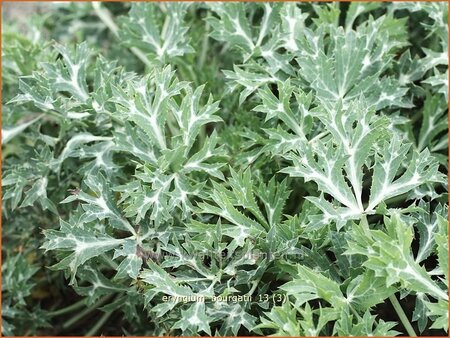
226	169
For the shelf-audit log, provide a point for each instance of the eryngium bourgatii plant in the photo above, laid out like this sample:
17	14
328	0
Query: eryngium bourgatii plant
227	169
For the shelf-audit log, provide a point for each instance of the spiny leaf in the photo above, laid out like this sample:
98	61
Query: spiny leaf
82	244
157	28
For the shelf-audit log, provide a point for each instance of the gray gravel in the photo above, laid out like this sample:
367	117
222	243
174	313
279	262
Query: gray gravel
19	12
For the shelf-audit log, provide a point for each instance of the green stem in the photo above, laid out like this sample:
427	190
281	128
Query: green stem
202	58
166	23
318	137
110	262
354	312
254	286
364	221
70	308
401	314
72	321
106	17
93	331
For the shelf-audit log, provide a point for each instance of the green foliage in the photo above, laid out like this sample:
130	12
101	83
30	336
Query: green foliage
226	169
157	30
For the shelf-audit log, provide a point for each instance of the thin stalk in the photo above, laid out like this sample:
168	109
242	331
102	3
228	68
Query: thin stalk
401	314
72	321
202	136
319	136
364	221
202	58
110	262
254	286
93	331
67	309
166	24
106	17
354	312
